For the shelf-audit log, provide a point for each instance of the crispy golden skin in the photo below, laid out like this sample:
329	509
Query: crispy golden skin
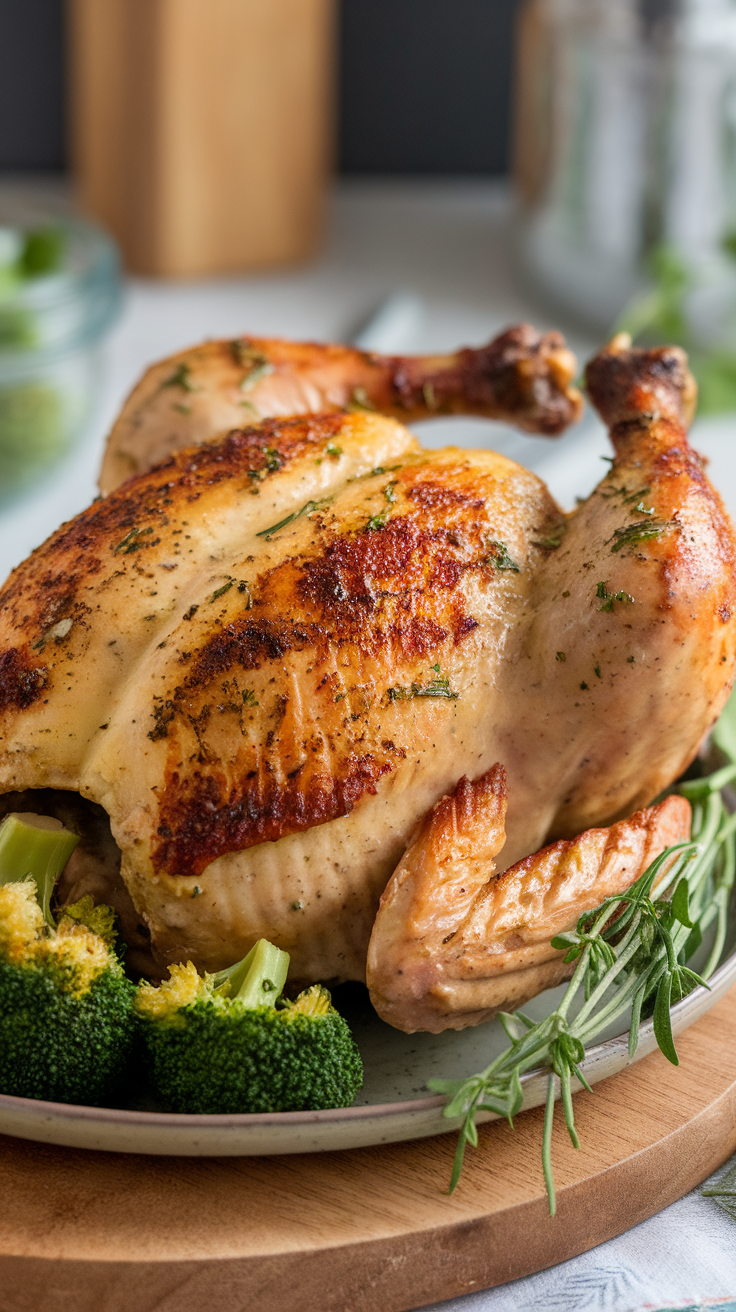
452	945
267	657
521	377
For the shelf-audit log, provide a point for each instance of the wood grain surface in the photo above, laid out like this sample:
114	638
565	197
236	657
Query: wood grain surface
201	134
371	1230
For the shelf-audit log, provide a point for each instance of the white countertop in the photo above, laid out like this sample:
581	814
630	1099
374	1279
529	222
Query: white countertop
450	244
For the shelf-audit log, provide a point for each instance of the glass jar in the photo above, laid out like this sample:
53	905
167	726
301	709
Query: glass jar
59	293
626	155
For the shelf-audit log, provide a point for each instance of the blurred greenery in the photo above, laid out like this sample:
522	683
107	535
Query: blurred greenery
659	315
43	252
17	327
32	430
715	373
27	256
33	413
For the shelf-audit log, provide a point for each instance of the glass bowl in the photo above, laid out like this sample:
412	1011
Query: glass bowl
60	291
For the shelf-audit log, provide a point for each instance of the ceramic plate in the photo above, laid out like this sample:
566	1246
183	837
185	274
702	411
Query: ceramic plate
393	1105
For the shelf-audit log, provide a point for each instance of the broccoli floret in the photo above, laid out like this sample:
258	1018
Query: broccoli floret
219	1043
67	1023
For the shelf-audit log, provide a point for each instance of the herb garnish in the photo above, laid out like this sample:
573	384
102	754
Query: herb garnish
181	377
438	686
642	531
131	541
629	497
306	509
254	361
241	585
499	556
260	370
378	520
608	598
359	400
554	540
630	953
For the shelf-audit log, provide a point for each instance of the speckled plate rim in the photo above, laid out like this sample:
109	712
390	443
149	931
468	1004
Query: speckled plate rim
170	1134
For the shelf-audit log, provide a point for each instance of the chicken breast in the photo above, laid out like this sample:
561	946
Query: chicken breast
268	656
452	945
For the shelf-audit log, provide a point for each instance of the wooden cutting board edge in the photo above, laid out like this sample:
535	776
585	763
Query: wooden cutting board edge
371	1230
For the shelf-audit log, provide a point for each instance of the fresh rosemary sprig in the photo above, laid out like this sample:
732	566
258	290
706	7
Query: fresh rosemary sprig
631	955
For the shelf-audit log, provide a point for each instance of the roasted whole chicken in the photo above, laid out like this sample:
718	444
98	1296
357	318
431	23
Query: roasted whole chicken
264	657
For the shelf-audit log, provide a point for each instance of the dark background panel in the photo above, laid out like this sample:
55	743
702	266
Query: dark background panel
31	84
424	85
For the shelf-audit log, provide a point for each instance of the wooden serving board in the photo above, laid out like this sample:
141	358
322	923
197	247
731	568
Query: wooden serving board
371	1230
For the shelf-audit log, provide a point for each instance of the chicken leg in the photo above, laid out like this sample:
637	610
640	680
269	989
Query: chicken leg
521	377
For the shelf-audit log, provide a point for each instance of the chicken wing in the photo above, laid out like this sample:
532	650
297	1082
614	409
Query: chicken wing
452	945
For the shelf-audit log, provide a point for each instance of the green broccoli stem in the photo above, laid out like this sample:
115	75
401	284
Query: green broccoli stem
258	979
35	845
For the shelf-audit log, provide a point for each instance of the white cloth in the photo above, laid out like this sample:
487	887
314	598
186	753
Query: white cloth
684	1258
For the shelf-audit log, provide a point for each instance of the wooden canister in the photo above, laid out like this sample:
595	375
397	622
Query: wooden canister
201	130
532	135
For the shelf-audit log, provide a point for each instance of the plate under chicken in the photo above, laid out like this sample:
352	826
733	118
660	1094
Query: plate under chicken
250	670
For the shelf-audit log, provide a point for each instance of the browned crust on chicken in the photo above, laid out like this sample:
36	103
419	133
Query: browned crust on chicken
452	945
350	606
521	376
368	611
121	533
